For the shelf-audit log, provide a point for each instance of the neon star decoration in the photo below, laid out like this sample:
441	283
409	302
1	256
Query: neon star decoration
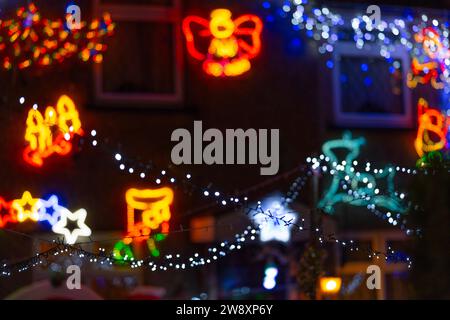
432	132
231	44
6	214
51	133
357	188
40	210
29	39
273	226
26	208
50	210
82	229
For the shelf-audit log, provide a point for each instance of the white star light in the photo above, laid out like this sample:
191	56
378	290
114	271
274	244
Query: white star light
272	228
82	229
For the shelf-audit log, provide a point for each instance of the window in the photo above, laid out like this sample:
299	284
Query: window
370	91
143	64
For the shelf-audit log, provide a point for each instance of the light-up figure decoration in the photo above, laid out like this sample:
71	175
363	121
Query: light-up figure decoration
152	207
432	132
272	221
362	186
431	68
232	43
51	132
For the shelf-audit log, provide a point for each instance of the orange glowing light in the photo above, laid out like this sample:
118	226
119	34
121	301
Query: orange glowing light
52	132
430	71
432	132
330	285
6	214
154	208
419	76
27	207
232	43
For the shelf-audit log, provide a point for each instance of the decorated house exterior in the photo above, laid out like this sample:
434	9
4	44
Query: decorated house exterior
356	100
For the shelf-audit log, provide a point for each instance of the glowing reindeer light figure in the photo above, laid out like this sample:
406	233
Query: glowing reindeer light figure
362	190
233	43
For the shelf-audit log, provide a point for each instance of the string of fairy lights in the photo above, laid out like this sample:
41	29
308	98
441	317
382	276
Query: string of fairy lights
176	261
320	165
424	36
30	39
320	24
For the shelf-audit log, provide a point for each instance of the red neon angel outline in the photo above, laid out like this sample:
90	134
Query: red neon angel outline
228	53
52	132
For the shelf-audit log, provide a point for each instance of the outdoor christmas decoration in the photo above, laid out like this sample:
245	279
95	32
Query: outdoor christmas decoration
153	207
50	210
228	48
271	227
26	208
51	133
6	214
40	210
357	188
30	39
433	67
82	229
270	275
231	44
432	132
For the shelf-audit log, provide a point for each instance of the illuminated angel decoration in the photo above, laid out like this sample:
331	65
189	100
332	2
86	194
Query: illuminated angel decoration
432	68
231	44
432	132
51	132
359	189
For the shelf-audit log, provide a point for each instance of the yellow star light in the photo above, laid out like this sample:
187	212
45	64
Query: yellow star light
27	207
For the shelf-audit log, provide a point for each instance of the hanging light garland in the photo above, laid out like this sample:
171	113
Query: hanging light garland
426	39
30	39
177	262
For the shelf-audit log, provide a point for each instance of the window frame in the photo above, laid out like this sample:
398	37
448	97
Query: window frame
144	13
344	119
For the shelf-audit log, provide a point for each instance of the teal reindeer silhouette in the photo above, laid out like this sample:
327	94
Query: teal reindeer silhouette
360	187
